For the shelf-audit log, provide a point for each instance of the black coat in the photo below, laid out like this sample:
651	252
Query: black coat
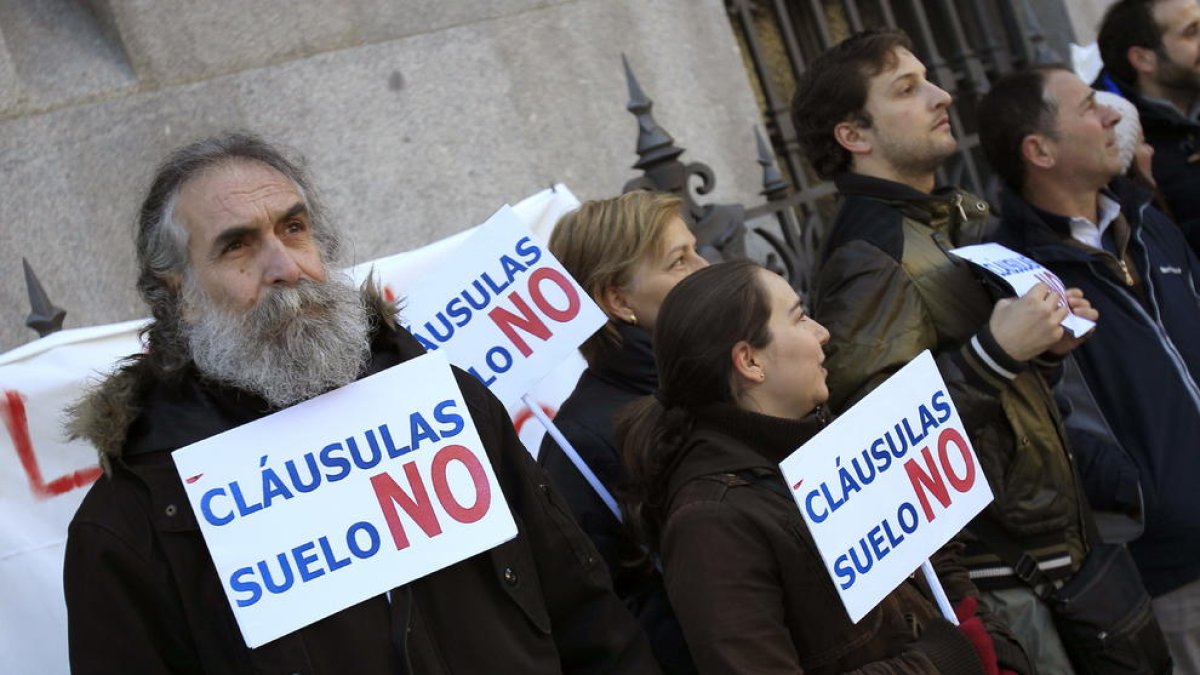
143	596
617	378
1142	366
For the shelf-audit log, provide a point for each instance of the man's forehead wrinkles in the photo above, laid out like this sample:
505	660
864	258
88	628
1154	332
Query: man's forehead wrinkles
241	200
260	192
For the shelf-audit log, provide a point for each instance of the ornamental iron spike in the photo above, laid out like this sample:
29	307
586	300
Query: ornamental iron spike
774	186
654	144
46	318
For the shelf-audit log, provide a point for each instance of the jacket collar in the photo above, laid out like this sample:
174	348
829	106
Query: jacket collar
630	366
934	209
1152	113
1047	235
728	439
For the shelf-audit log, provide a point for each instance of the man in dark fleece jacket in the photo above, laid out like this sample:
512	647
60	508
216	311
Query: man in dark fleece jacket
1056	150
1151	52
234	258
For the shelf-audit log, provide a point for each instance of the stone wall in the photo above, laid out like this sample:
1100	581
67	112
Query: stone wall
417	117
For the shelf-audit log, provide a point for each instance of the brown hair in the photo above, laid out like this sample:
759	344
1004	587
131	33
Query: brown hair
700	321
601	243
834	90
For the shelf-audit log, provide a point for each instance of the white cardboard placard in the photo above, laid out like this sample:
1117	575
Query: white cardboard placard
887	484
1021	274
342	497
502	308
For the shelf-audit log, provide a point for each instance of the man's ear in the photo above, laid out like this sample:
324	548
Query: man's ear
746	367
1039	151
612	300
850	136
1143	59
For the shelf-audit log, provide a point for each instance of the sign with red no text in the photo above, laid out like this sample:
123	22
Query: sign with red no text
502	308
343	497
887	484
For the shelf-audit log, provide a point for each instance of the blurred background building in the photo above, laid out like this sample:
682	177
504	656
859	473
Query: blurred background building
420	117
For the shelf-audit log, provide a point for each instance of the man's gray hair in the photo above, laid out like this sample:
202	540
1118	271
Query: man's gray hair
162	241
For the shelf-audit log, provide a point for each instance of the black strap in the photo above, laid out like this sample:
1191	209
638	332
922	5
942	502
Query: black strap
766	478
1024	564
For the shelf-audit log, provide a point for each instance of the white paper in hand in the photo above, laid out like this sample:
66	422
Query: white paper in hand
1021	274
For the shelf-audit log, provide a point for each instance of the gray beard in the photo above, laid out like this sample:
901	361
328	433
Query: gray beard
298	342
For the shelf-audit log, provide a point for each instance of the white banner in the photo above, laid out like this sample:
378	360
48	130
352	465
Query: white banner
43	477
887	484
343	497
1021	274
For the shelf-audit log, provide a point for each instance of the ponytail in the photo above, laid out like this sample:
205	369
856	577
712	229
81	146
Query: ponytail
651	438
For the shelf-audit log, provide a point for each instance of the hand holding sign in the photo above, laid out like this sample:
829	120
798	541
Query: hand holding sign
1022	275
1029	325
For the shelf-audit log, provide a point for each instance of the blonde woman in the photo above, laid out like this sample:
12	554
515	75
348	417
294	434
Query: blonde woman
627	253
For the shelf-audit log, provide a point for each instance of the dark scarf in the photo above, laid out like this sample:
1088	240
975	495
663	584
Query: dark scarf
774	438
631	365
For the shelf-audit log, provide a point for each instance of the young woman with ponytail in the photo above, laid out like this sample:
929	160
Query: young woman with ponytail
740	385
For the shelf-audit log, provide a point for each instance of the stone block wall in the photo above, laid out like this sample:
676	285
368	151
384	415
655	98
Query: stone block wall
417	117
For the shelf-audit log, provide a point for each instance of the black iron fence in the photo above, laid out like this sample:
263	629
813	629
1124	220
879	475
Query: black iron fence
966	44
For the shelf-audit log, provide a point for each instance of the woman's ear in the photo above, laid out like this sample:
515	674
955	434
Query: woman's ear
746	367
612	300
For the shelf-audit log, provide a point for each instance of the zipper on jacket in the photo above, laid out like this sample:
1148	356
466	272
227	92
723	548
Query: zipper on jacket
1125	269
1176	357
957	204
1169	346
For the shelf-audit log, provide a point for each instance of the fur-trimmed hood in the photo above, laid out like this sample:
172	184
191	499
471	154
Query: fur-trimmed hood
106	414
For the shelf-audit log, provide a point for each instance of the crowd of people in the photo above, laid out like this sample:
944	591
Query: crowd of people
703	379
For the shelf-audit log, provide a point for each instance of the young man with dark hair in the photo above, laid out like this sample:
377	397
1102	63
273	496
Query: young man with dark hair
888	290
1056	151
1151	52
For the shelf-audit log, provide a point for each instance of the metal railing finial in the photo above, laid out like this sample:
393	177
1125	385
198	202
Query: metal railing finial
654	144
774	186
46	317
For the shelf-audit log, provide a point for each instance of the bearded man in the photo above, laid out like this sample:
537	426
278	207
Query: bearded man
1151	52
234	255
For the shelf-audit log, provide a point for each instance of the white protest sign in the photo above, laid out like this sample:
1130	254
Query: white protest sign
344	496
502	309
887	484
1021	274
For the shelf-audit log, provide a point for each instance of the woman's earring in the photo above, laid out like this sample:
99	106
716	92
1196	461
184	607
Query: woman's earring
632	318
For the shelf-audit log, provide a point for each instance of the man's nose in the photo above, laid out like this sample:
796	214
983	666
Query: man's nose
280	266
1112	117
941	97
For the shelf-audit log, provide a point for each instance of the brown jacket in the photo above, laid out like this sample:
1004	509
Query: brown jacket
887	290
143	596
749	586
